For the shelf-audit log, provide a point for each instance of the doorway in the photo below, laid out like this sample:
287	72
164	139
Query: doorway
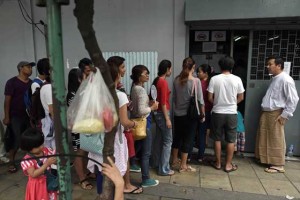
240	42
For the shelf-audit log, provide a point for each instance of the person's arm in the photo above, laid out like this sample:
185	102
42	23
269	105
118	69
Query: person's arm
240	97
7	102
210	97
164	98
241	90
210	91
292	99
142	99
50	107
113	173
127	123
32	172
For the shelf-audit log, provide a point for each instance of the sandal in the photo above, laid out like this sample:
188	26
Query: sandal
12	169
188	169
170	173
137	190
213	164
234	167
84	184
176	165
274	170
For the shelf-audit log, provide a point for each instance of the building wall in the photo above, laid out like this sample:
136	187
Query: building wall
133	25
240	9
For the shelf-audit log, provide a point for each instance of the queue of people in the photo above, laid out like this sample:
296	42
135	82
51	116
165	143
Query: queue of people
214	99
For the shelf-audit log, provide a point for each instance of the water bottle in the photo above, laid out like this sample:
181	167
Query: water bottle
291	150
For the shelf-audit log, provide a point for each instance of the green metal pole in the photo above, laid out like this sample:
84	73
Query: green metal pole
58	93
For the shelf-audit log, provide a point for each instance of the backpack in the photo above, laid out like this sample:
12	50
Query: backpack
33	104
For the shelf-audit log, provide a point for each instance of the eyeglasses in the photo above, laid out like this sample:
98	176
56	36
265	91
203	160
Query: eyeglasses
145	74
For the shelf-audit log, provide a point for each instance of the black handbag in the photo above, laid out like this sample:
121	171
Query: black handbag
193	109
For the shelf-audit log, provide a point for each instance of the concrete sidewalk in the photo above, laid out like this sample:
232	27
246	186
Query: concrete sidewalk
248	182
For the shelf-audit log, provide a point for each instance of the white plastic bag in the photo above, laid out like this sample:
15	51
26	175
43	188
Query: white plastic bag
93	109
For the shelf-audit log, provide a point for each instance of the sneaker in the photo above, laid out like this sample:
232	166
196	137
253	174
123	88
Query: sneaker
4	159
150	182
135	168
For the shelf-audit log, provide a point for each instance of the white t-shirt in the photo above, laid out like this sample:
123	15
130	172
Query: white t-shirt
46	97
35	85
225	88
120	145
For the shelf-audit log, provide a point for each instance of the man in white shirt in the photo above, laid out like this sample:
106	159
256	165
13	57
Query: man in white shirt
43	68
278	105
225	91
47	102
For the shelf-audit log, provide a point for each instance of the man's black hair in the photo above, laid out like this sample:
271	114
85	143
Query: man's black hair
278	60
226	63
43	66
84	62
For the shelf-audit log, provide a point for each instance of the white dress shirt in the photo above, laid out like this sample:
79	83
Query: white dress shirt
281	94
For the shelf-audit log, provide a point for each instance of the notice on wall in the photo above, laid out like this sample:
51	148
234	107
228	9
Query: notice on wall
218	36
287	67
209	47
201	36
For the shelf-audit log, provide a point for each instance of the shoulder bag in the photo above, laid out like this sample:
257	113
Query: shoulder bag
193	109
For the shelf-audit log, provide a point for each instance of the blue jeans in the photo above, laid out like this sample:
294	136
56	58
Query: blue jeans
165	137
143	147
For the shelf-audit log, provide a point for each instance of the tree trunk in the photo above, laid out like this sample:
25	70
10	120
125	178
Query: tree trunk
84	12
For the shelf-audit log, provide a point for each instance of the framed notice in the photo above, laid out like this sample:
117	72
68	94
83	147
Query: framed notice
201	36
218	36
209	46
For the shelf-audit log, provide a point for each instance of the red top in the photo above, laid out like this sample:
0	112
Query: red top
208	105
163	93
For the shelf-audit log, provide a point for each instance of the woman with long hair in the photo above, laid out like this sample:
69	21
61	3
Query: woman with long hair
185	86
141	107
204	73
163	138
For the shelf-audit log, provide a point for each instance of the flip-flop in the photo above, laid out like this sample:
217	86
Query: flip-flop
274	170
188	169
213	164
233	168
134	191
171	173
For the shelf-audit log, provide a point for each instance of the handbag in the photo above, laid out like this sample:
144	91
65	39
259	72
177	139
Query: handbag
139	131
51	175
193	109
93	143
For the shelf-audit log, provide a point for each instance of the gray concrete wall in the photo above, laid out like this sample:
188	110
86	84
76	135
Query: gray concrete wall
240	9
132	25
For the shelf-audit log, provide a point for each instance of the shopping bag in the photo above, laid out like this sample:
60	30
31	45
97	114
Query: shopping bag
93	109
139	131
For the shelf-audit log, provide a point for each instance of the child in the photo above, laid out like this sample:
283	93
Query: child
32	141
240	138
